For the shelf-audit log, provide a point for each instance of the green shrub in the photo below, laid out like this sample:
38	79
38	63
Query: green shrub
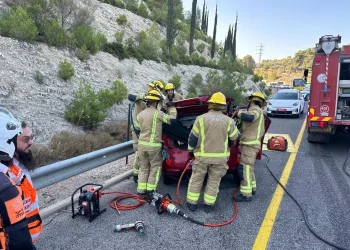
54	34
197	80
192	91
106	98
116	49
85	35
256	78
86	108
200	48
131	5
83	54
16	23
119	4
119	36
66	70
176	80
142	10
120	91
122	20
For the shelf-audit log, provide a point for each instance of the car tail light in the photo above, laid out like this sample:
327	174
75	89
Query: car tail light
238	158
168	162
323	124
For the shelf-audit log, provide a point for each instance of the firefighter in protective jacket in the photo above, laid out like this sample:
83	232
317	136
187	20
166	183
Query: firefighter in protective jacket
149	122
138	107
170	98
208	143
14	231
252	131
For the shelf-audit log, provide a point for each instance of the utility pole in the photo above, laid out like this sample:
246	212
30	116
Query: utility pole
260	53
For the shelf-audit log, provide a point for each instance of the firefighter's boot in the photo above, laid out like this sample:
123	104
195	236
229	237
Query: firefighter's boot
208	208
191	207
242	198
149	196
253	192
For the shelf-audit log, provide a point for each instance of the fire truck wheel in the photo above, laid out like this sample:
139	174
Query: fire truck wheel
317	138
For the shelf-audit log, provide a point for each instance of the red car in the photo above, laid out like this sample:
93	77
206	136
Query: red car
175	137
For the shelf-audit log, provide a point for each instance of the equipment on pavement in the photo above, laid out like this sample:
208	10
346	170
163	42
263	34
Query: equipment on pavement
328	111
88	202
278	143
137	225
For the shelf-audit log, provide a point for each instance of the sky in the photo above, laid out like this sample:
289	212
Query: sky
282	26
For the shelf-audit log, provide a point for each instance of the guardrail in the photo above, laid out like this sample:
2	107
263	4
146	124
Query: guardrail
59	171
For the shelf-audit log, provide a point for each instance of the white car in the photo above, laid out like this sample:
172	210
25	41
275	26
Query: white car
286	102
306	93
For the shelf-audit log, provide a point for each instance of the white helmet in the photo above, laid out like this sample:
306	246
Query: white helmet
9	128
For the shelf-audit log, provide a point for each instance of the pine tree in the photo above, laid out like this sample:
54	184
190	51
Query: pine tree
171	31
234	41
193	25
212	52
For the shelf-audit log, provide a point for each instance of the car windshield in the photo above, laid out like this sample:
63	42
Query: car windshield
298	82
285	96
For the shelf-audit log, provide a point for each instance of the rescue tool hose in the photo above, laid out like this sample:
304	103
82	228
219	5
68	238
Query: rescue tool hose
178	201
302	209
132	118
115	203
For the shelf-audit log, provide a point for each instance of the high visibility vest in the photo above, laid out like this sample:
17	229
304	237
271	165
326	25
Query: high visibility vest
14	232
30	199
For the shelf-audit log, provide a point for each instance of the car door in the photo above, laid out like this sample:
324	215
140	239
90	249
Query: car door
302	102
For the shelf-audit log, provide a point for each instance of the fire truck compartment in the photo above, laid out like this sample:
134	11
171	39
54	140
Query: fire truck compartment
343	104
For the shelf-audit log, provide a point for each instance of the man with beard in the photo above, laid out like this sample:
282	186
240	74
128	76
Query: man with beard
23	164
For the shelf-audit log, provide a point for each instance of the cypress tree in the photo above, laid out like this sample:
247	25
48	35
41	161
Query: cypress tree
212	52
171	31
203	17
234	41
193	25
206	23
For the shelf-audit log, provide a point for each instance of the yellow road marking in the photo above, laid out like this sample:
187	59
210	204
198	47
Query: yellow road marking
291	146
263	236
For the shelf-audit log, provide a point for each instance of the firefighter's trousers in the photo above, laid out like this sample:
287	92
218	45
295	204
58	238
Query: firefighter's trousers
150	167
136	164
199	170
246	170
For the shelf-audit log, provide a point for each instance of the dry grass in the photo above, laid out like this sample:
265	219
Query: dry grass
66	145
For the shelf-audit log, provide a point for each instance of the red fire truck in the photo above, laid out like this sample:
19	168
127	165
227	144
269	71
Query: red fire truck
329	106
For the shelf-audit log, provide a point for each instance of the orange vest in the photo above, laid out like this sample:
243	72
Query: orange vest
29	197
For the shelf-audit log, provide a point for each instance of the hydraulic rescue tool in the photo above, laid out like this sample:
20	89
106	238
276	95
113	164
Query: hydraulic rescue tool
137	225
88	202
278	143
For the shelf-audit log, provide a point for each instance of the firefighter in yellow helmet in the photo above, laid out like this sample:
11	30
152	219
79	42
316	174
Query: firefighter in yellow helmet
208	143
149	122
138	107
171	97
252	131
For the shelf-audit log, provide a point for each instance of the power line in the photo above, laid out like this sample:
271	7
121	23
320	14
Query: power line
260	53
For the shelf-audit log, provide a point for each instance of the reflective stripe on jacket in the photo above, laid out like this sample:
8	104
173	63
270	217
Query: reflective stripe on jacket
213	130
150	121
30	199
140	105
252	131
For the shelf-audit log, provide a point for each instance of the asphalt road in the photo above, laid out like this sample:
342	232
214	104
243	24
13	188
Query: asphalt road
316	180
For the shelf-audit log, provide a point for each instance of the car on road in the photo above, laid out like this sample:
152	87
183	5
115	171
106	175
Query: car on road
286	102
175	137
306	93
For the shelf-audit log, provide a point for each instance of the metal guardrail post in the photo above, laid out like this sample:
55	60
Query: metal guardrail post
59	171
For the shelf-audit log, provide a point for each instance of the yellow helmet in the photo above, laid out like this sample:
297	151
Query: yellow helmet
257	96
218	98
156	85
153	95
169	86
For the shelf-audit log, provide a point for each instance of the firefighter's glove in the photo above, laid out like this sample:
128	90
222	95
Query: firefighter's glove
163	110
170	104
191	154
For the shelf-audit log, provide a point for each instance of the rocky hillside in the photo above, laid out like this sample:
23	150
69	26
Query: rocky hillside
43	104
